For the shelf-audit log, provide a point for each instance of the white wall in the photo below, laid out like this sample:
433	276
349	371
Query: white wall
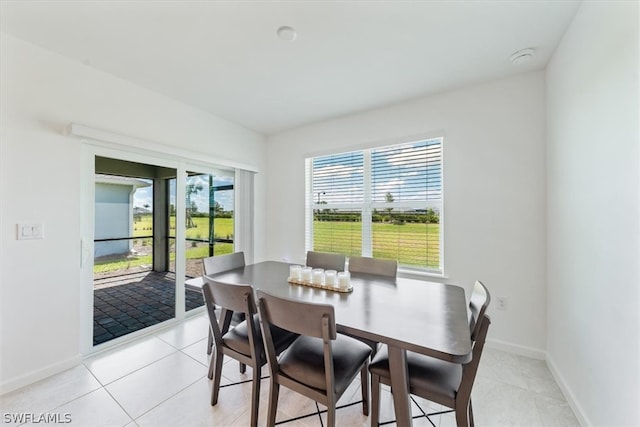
494	190
40	171
592	184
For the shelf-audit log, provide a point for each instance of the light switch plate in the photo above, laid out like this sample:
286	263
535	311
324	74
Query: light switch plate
30	231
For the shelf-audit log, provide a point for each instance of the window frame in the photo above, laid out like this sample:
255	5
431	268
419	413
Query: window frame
367	206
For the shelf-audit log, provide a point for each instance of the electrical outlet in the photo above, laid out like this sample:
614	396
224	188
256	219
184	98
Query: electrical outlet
501	303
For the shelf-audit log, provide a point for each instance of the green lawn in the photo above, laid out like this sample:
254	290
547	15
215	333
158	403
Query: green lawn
143	226
223	228
124	264
410	244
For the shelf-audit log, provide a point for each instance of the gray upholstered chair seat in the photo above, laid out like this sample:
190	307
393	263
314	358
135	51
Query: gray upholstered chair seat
238	338
438	377
304	361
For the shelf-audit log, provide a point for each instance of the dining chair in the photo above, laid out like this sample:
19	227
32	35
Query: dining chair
320	364
325	260
242	342
448	384
376	266
218	264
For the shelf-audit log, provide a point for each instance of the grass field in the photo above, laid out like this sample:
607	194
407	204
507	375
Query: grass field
410	244
223	228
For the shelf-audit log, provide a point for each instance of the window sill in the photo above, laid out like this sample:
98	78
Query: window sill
404	272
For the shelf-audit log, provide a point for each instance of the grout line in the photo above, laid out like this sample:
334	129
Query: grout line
131	372
120	405
169	398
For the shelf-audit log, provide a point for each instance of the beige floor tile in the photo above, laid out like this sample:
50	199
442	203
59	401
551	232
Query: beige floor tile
48	394
191	407
95	409
185	333
120	361
198	351
538	378
555	412
501	366
499	404
148	387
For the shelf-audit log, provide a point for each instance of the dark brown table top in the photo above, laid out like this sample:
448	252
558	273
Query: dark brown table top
425	317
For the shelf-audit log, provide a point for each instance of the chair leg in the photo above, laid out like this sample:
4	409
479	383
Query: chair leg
470	414
364	387
331	414
216	362
273	403
375	400
462	412
255	395
210	342
211	367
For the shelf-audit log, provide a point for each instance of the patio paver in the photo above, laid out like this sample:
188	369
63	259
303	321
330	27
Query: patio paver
129	303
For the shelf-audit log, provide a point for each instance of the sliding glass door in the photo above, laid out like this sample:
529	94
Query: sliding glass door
208	225
133	288
146	224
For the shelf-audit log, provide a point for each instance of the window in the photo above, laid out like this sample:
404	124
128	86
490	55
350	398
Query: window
209	213
384	202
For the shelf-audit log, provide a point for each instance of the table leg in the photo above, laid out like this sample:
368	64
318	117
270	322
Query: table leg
400	385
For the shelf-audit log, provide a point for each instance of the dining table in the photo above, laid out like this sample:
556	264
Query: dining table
425	317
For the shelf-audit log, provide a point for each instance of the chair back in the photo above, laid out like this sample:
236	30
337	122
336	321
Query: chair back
478	303
299	317
308	365
326	260
219	263
237	298
379	267
231	298
470	369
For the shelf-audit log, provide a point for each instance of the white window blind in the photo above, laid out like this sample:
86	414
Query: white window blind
384	202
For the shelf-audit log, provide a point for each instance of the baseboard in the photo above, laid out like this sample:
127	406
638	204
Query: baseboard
521	350
32	377
568	394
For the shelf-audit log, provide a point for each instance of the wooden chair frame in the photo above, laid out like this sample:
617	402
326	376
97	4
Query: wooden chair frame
218	264
325	260
379	267
307	319
233	298
461	404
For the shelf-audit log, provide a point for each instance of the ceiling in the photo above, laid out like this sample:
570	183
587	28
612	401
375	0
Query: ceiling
225	57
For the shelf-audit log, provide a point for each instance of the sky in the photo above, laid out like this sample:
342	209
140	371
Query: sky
409	172
144	196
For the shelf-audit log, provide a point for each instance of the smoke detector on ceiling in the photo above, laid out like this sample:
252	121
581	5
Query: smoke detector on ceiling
522	56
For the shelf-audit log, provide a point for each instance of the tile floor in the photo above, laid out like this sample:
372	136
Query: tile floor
160	380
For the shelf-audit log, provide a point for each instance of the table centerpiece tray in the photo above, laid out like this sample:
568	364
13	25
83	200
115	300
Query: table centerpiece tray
347	289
